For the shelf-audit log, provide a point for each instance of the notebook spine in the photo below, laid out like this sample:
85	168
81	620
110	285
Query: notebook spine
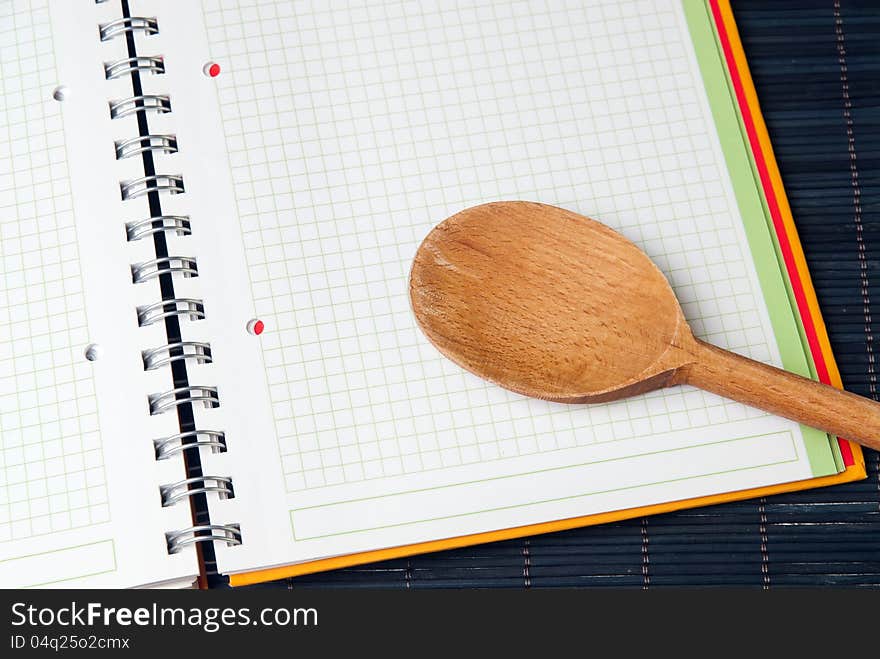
175	354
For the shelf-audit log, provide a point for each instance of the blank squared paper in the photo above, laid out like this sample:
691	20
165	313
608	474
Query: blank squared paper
352	131
51	460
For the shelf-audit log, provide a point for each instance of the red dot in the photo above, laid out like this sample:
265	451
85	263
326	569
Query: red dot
259	327
214	70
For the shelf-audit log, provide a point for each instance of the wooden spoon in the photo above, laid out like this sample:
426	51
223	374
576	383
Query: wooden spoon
551	304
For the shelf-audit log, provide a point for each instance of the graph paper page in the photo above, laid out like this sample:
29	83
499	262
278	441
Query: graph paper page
340	136
79	503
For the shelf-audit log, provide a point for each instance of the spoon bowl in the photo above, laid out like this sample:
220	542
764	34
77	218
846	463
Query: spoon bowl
546	302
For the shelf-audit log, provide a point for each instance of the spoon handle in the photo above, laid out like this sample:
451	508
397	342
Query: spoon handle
786	394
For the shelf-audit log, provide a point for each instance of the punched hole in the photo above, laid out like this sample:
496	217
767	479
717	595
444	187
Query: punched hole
93	352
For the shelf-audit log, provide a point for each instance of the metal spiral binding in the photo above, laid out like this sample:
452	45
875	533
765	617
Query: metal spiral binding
186	265
172	352
127	24
137	145
153	313
174	492
228	533
133	104
121	67
193	394
155	227
177	224
156	183
186	441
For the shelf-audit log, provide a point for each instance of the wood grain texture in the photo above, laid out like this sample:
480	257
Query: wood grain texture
562	308
554	305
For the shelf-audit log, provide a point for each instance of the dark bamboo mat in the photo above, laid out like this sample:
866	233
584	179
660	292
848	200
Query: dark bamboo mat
817	69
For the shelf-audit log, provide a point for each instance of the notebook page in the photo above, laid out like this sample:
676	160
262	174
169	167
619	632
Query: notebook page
349	132
79	501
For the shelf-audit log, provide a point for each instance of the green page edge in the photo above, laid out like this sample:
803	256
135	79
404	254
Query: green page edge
773	278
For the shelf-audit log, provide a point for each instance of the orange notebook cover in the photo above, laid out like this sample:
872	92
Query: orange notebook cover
754	134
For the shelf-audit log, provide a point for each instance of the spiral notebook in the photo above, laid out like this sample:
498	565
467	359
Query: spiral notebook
208	215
